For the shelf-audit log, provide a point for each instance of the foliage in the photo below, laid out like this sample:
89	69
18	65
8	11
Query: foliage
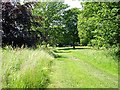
17	20
70	19
51	25
98	24
46	24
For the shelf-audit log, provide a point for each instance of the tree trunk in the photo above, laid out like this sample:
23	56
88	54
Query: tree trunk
73	45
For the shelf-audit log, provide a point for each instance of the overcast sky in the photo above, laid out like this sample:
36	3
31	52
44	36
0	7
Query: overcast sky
73	3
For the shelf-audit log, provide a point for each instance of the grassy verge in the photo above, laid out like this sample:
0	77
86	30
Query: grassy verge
25	68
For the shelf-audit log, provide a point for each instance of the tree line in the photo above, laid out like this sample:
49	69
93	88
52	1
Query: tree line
39	23
98	25
43	23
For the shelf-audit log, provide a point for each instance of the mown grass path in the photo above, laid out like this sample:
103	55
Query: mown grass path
83	68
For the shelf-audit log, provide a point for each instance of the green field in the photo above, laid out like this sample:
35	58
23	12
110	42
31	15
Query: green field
82	67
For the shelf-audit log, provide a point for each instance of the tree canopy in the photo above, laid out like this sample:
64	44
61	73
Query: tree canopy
16	24
51	25
98	24
70	19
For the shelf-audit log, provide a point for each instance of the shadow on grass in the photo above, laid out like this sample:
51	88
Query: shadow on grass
58	51
59	56
70	48
55	55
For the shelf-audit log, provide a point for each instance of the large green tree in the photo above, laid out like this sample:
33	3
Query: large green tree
51	24
70	19
98	24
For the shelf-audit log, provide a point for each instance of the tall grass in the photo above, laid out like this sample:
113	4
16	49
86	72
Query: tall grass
25	68
0	67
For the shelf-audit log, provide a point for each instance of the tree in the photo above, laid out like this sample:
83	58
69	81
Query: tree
51	25
98	24
17	20
70	22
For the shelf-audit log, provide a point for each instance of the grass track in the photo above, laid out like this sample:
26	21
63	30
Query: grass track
83	68
72	68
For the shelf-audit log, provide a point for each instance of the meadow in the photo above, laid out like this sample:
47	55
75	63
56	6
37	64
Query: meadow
64	67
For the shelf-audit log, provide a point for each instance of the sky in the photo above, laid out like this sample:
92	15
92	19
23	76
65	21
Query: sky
73	3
